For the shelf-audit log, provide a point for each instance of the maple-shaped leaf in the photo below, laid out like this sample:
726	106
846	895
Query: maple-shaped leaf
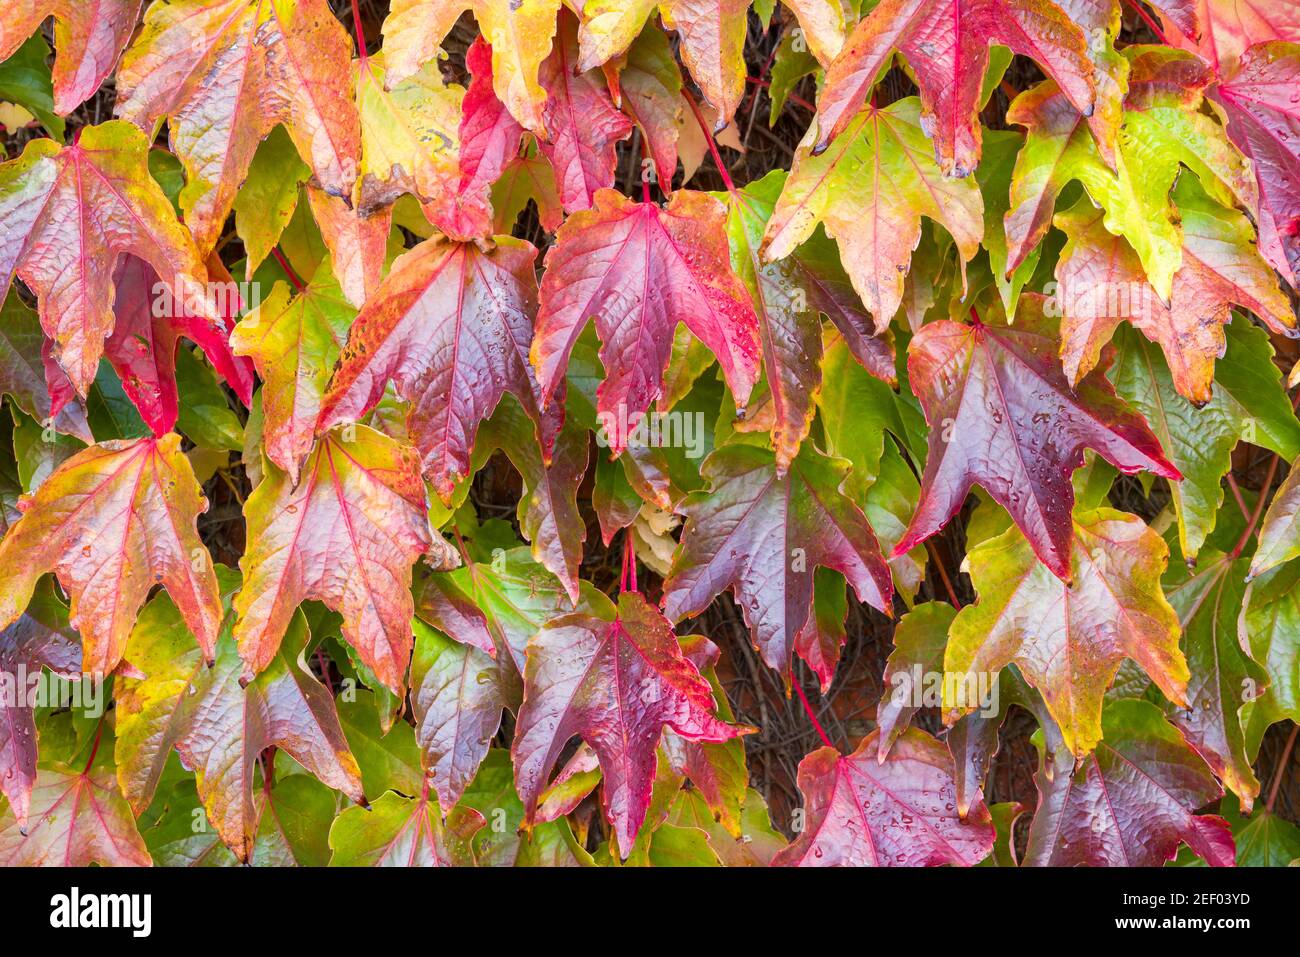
88	38
451	326
639	270
1271	625
348	535
1224	676
1263	119
399	831
870	190
40	638
1279	535
789	297
224	74
763	536
583	127
295	340
456	698
646	84
358	245
409	138
1162	130
919	642
226	727
29	379
69	215
112	522
548	508
1002	413
1131	802
496	608
147	703
1068	640
76	820
860	811
1248	404
490	138
147	329
947	46
615	676
1102	283
519	32
1221	31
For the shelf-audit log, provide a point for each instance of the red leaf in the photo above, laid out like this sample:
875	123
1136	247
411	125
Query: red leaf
1002	414
763	536
451	327
947	46
112	522
901	811
640	270
617	677
1264	120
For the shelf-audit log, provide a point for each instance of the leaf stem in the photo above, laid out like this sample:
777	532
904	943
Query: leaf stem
943	573
1141	12
284	264
812	717
1281	769
708	138
94	748
361	34
1259	510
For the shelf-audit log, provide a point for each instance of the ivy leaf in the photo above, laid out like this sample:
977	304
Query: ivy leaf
581	669
148	705
1262	119
1279	536
76	820
95	197
919	642
639	270
147	329
870	191
519	32
863	812
1221	268
490	138
947	46
1248	404
223	75
456	698
25	80
227	726
647	85
1224	677
295	341
40	638
399	831
753	531
347	535
24	372
1131	802
789	297
409	137
1222	30
1162	129
88	37
1068	640
1271	624
582	125
1002	413
112	522
451	327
